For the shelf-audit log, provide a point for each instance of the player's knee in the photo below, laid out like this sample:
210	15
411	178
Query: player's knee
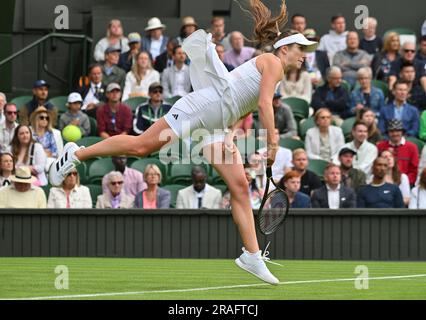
137	149
239	188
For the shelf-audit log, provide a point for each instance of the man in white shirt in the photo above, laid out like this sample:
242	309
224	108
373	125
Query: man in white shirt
7	129
366	152
175	79
335	40
199	194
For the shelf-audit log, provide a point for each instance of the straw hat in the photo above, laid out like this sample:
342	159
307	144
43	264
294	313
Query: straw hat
154	23
23	175
37	111
189	21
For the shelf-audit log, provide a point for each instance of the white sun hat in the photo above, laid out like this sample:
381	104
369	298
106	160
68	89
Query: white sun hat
298	38
154	23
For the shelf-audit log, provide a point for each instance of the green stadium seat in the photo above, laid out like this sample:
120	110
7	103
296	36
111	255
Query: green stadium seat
174	189
305	125
317	166
46	190
98	169
400	31
81	169
299	107
172	100
292	144
21	101
60	103
347	127
419	143
222	187
346	85
215	178
93	127
140	165
88	141
95	191
134	102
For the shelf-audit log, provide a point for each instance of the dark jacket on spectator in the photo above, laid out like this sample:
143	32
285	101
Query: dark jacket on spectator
337	100
322	62
419	66
124	62
162	62
301	200
320	198
372	46
355	179
145	116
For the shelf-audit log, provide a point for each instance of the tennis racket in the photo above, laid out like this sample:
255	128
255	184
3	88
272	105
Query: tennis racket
274	207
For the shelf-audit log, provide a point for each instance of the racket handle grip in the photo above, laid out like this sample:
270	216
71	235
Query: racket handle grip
268	172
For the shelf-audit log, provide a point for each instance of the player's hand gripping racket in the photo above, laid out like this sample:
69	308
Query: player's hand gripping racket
274	207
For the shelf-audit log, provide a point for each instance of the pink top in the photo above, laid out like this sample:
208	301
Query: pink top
149	204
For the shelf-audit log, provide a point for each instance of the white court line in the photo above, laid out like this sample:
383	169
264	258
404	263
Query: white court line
110	294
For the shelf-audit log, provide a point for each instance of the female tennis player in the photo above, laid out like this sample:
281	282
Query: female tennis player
219	100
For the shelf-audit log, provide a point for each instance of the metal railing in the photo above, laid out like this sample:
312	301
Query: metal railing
69	39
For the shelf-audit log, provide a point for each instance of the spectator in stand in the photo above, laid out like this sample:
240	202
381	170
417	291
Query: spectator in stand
114	39
238	54
394	176
282	162
115	197
335	40
256	163
140	77
71	194
291	184
40	98
165	59
366	96
379	193
133	179
153	197
423	30
220	49
128	58
298	22
405	152
189	26
368	116
333	195
155	41
408	54
200	194
44	133
22	193
7	130
371	42
421	54
27	152
3	102
309	180
351	177
418	194
284	118
175	79
416	93
111	73
92	92
383	60
351	59
113	118
399	109
365	151
147	114
296	83
218	32
324	140
7	168
333	96
74	115
316	63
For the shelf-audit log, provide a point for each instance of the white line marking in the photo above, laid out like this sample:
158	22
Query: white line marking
110	294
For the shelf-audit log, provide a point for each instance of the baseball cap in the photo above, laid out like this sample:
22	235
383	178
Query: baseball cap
277	95
113	86
134	37
112	49
346	150
40	83
154	86
74	97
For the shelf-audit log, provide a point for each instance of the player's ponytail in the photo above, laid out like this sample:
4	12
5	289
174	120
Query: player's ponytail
267	28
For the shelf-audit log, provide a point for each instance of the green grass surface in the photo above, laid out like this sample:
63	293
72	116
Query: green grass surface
35	277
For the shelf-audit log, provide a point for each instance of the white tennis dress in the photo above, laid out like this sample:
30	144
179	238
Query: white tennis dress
220	98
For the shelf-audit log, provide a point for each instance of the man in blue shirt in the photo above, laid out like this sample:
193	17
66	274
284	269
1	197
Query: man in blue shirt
380	194
401	110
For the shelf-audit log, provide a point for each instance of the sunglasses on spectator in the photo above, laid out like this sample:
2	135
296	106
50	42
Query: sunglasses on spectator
116	183
157	91
325	117
43	118
72	174
11	112
409	50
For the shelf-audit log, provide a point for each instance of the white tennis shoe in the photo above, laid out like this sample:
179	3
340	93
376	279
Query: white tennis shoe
255	264
64	164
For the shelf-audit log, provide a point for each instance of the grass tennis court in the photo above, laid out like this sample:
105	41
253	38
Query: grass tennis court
180	279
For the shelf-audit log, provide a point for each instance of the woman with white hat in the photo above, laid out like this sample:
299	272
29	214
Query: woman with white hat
189	26
219	101
155	41
114	39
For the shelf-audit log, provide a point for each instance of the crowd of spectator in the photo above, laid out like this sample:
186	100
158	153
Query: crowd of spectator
373	164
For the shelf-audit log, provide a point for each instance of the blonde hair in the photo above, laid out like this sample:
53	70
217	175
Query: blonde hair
318	113
388	39
108	33
34	121
77	183
298	151
136	70
156	170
